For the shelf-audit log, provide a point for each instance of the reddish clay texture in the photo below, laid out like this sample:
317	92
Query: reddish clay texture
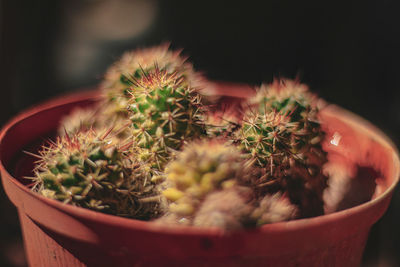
56	234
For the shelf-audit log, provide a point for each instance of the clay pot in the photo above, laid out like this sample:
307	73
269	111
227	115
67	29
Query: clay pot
56	234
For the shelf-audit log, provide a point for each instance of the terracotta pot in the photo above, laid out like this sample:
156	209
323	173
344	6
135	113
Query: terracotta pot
62	235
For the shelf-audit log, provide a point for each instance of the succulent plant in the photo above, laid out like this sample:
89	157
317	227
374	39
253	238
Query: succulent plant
116	88
165	113
274	208
149	98
264	166
204	174
287	97
228	209
79	120
281	134
88	170
135	64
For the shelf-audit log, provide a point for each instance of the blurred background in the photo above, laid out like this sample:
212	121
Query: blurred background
347	51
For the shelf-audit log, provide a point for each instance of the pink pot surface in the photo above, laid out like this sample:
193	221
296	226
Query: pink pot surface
56	234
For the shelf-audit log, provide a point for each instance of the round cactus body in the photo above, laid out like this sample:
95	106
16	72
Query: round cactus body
274	208
281	134
88	170
135	64
201	178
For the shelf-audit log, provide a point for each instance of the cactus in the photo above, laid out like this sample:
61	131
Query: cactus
88	170
281	135
228	209
274	208
116	86
206	170
79	120
150	91
264	167
136	63
287	97
165	112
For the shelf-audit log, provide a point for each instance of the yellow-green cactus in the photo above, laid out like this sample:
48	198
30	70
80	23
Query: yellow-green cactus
201	169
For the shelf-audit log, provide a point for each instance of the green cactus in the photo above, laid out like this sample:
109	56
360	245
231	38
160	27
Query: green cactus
88	170
136	63
115	88
281	134
165	112
203	170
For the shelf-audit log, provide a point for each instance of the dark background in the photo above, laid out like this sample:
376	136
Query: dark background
347	51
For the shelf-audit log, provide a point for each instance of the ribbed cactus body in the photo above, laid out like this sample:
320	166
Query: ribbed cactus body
135	64
88	170
165	112
281	134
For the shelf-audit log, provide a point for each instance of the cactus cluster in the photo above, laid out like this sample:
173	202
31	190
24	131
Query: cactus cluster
166	152
89	170
149	102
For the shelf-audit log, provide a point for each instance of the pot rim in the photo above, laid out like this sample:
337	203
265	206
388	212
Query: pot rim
299	224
